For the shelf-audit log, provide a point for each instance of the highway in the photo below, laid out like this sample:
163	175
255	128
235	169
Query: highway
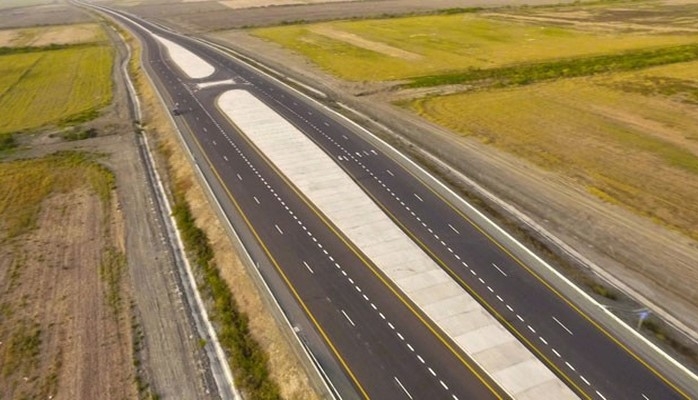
386	348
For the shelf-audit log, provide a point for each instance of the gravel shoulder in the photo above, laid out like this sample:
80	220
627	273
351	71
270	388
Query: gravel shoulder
172	359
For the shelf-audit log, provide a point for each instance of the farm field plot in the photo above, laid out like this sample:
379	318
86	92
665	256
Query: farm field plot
659	16
53	86
401	48
629	138
59	35
22	3
66	325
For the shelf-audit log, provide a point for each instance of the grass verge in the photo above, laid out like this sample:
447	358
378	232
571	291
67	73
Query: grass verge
7	142
111	271
247	359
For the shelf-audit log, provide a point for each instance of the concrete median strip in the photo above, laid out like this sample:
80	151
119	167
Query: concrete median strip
334	193
192	65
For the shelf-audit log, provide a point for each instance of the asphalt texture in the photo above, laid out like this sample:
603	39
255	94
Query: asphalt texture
375	361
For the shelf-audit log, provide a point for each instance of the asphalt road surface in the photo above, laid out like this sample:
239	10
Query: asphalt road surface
369	339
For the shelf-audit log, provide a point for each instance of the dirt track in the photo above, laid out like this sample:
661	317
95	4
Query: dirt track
172	360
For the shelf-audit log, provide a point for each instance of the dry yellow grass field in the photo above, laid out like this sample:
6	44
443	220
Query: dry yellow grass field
630	138
20	202
58	34
400	48
614	135
54	86
65	329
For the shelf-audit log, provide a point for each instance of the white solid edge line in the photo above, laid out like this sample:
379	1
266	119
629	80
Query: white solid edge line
223	361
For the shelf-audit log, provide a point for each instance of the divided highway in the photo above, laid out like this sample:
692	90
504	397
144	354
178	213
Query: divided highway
387	349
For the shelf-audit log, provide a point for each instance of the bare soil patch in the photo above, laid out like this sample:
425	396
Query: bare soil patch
238	4
363	43
67	34
62	338
84	324
58	13
660	17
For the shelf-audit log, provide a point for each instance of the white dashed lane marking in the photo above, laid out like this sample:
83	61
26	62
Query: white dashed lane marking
395	196
355	157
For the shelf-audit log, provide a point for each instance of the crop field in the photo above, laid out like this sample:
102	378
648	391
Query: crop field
20	203
53	86
402	48
629	138
47	35
60	282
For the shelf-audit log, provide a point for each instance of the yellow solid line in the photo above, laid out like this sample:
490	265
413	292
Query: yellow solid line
367	263
281	272
546	284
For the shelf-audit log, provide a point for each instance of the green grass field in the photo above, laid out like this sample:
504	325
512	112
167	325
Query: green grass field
630	147
433	45
53	86
26	183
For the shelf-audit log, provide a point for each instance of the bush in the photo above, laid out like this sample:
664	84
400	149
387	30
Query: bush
7	141
525	74
80	134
